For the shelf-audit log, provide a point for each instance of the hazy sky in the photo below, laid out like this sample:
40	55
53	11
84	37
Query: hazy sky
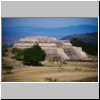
48	22
15	28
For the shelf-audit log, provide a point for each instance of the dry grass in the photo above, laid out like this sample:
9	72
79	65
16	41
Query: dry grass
90	79
50	72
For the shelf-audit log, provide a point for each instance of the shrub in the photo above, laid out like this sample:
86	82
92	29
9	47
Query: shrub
7	68
64	62
30	56
33	55
51	79
4	49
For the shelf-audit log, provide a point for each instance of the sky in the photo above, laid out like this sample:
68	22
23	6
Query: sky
15	28
48	22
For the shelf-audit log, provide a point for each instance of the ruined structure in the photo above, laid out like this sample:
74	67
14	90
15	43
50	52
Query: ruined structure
52	47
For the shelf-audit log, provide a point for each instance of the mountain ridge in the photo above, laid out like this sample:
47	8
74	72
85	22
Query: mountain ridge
15	33
87	37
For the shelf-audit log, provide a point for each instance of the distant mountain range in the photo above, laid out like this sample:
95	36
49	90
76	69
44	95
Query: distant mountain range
87	37
12	34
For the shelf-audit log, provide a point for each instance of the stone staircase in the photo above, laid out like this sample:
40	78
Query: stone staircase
62	54
75	53
70	52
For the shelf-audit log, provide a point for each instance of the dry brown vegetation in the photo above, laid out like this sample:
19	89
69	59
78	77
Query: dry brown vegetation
50	72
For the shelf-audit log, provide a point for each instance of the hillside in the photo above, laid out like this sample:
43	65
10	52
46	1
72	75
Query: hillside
88	42
89	48
16	33
87	37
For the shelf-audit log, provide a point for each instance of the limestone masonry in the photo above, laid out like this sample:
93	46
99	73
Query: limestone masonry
53	46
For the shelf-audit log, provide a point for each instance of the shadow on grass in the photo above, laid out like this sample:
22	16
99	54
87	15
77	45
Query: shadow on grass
38	64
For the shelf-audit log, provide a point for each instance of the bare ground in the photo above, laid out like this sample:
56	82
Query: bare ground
50	72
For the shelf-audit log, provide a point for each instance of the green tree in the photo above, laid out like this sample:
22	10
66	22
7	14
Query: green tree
89	48
33	55
19	54
14	50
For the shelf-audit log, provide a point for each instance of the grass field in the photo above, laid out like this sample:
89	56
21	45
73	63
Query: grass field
50	72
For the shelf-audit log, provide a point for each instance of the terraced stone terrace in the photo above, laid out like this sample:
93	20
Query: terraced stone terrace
77	66
51	45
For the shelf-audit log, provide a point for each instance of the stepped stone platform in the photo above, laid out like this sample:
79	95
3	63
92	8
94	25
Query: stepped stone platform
53	46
